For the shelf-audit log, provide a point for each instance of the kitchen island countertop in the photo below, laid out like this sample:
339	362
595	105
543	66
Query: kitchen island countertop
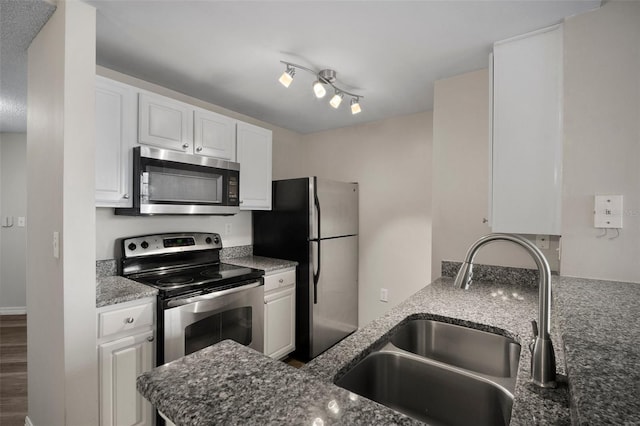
228	382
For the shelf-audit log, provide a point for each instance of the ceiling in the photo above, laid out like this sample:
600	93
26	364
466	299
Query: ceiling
20	21
228	52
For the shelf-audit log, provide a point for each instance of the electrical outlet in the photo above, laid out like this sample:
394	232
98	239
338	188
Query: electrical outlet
227	229
542	242
384	295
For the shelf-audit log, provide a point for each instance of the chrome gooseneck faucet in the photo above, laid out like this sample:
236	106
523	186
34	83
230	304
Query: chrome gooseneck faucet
543	361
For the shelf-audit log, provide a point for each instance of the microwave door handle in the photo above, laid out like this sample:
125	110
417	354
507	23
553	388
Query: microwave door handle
316	272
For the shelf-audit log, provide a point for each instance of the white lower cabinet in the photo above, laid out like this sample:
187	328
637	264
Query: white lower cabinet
280	314
122	357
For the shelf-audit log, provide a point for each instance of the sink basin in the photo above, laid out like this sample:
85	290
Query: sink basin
428	391
464	347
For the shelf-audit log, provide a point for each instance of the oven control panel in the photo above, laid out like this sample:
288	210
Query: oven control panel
147	245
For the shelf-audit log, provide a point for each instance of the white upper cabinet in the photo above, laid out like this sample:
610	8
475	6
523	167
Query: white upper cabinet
115	133
127	116
526	151
165	123
215	135
254	155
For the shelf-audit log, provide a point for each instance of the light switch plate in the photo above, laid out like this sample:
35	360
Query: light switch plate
608	211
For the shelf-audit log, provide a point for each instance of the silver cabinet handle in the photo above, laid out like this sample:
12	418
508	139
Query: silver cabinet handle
185	145
281	280
150	339
125	196
198	149
241	201
129	320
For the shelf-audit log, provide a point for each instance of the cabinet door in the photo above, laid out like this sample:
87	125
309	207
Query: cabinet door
165	123
279	323
214	135
527	134
254	156
115	133
121	362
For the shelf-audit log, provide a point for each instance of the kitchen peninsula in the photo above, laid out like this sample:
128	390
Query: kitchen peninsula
228	383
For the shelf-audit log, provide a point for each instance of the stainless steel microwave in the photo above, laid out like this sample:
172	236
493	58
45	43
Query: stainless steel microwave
167	182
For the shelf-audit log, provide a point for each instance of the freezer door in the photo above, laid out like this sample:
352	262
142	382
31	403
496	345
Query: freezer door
335	315
338	205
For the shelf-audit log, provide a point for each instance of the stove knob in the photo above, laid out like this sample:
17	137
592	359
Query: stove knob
208	240
216	240
131	246
144	244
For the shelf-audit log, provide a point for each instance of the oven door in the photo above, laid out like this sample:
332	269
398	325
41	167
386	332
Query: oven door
193	323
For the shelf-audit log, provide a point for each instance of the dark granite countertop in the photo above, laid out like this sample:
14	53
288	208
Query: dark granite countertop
594	330
230	384
267	264
247	389
600	331
117	289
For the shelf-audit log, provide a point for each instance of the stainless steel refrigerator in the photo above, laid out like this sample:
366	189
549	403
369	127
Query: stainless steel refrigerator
314	221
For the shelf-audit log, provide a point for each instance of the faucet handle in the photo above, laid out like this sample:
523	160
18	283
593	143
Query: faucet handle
534	328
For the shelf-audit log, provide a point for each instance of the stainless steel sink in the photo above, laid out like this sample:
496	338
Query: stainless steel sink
440	373
464	347
428	391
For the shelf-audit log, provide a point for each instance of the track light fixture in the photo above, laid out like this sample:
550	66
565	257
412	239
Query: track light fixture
323	78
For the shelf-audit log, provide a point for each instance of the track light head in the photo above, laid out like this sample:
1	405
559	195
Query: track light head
355	106
318	89
336	100
287	77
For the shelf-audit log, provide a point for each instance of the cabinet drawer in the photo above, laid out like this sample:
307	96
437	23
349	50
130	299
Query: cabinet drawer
116	321
280	280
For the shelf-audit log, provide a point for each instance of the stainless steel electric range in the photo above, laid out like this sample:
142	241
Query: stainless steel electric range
201	300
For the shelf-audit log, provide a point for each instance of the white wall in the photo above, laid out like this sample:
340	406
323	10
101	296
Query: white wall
391	161
61	320
109	227
13	203
602	139
461	175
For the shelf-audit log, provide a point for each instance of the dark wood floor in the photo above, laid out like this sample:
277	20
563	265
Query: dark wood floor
13	370
293	362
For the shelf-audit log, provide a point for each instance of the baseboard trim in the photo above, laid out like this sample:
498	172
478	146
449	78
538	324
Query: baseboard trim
15	310
27	421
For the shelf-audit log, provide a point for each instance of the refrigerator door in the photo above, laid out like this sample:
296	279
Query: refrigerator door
336	205
335	315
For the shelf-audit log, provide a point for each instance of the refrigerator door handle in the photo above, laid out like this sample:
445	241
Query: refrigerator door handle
316	271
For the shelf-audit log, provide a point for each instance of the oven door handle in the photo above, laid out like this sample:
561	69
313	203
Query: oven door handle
180	302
